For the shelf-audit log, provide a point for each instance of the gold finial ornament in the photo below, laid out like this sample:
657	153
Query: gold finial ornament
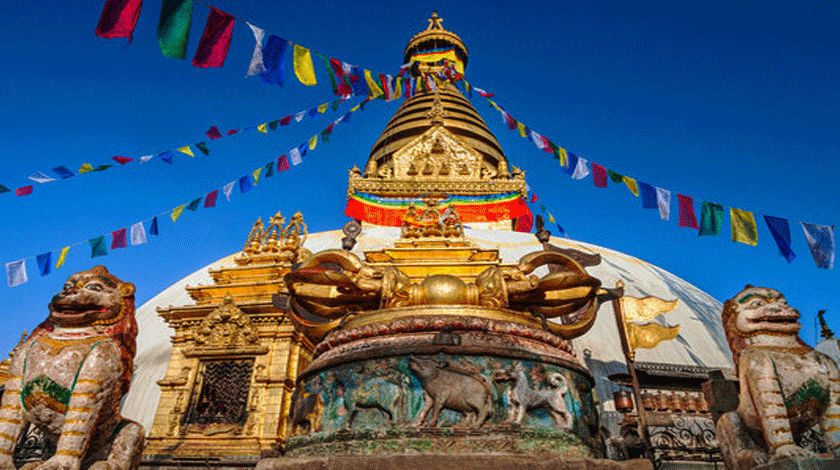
825	331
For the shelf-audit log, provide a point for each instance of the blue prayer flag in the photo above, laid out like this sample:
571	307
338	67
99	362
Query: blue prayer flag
302	149
98	246
781	233
561	232
274	56
63	172
166	156
44	263
153	228
648	194
570	168
821	242
245	184
358	83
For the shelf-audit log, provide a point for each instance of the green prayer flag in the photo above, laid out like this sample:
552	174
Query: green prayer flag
711	218
325	137
193	205
102	167
330	72
273	124
615	177
98	246
202	146
174	27
555	150
269	169
4	189
334	104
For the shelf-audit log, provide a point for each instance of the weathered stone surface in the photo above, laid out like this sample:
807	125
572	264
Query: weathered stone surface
802	464
449	462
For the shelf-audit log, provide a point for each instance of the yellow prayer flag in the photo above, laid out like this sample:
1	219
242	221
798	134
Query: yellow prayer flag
186	150
564	157
631	185
397	88
62	256
323	108
374	88
263	128
551	218
649	335
177	212
313	142
646	308
303	66
256	174
743	226
355	108
521	128
86	168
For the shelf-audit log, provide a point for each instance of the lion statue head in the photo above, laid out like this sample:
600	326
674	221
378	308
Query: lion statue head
757	311
99	300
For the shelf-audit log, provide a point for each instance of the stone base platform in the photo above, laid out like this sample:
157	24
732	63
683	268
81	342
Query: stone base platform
450	462
802	464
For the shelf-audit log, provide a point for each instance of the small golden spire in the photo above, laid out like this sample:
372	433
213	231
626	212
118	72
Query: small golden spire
434	22
825	332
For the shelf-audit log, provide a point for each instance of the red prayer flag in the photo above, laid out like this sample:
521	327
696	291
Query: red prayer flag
687	218
547	147
210	200
214	133
282	163
118	239
343	85
24	191
285	121
511	122
534	198
119	17
121	160
215	41
599	175
232	131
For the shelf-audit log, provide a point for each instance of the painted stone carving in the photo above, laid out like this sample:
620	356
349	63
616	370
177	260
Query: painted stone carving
452	387
383	391
70	375
523	397
787	387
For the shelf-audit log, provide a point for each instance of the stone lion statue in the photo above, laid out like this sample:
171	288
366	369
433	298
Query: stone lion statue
69	377
787	387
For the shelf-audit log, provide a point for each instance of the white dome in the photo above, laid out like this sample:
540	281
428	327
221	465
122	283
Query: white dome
701	341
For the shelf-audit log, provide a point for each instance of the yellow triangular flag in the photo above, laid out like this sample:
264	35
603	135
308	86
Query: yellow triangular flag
564	157
256	174
263	128
743	227
397	88
323	108
62	256
186	151
355	108
551	218
86	168
646	308
177	212
631	185
303	66
649	335
521	128
373	87
313	142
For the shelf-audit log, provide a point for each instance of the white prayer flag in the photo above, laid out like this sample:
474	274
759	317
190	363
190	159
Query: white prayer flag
820	240
138	234
537	140
294	156
228	189
256	65
581	169
146	158
299	116
16	272
39	177
663	200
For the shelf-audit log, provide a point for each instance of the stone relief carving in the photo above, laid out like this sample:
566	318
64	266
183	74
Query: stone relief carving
448	386
524	397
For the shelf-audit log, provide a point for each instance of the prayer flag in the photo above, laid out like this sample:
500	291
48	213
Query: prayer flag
213	133
121	160
357	81
186	151
24	191
63	172
62	257
245	184
385	81
273	124
648	195
330	73
193	205
323	108
167	156
313	141
285	121
174	27
821	242
40	177
282	163
397	88
44	261
343	86
153	227
581	169
686	207
269	169
263	128
711	218
294	156
313	113
85	168
215	41
483	93
232	131
303	66
663	201
373	89
599	175
548	146
98	246
210	199
119	17
227	189
615	177
146	158
302	149
561	154
781	233
4	189
202	146
299	116
119	239
743	225
256	174
137	234
631	185
534	198
256	66
16	273
177	212
102	167
274	60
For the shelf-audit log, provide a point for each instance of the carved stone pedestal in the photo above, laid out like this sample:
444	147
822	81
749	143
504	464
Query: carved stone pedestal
448	462
802	464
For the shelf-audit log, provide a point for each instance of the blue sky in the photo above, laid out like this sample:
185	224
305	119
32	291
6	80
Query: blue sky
734	103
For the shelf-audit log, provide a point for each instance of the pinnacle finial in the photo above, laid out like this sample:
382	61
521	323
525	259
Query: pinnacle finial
825	332
435	21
